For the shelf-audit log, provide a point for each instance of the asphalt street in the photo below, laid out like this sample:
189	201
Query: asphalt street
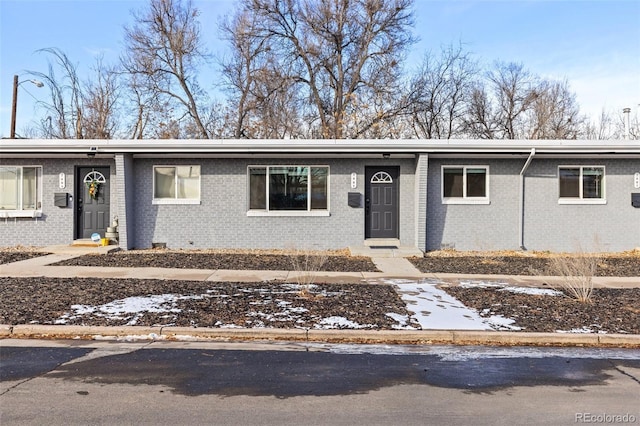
81	382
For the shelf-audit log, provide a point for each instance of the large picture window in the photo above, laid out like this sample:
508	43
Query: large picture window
176	184
581	184
288	188
465	184
20	189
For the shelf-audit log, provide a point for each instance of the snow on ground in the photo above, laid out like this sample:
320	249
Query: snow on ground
435	309
130	307
512	289
431	308
340	323
468	353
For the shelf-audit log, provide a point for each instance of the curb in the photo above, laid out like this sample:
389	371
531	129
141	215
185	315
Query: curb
417	337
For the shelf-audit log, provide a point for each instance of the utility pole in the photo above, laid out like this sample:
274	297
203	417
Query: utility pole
14	103
14	107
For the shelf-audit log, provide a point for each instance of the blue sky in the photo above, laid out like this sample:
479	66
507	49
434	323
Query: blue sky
594	45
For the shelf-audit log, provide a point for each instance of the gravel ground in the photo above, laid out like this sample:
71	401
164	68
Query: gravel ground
215	260
209	304
200	304
619	265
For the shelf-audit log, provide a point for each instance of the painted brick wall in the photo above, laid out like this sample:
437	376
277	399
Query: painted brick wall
125	207
475	226
614	226
547	224
421	185
56	226
221	221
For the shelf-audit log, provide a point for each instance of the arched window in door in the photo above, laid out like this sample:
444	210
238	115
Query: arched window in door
381	177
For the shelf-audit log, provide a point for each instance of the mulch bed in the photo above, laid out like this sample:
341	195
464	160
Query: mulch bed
234	261
44	300
610	311
608	266
17	256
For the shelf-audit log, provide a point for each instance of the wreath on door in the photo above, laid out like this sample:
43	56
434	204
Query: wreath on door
93	180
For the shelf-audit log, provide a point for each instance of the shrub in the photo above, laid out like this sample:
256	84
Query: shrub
576	274
306	263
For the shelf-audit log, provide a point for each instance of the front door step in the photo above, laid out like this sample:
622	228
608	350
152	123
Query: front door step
380	249
88	242
382	243
85	242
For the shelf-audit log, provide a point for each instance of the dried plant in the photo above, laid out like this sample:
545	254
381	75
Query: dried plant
576	274
306	263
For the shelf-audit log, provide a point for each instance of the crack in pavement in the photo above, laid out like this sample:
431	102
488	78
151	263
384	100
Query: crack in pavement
624	373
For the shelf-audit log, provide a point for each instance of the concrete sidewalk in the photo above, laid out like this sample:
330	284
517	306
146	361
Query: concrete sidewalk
391	267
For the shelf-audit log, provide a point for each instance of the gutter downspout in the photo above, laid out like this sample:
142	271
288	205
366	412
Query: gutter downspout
521	199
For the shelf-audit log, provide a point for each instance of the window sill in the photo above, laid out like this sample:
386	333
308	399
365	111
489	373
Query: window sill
20	213
288	213
175	202
593	201
477	201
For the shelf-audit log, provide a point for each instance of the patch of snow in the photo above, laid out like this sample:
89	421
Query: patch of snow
123	308
435	309
340	322
230	326
467	353
402	320
534	291
498	322
583	330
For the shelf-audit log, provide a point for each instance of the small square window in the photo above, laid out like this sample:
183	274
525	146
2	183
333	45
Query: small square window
465	184
582	184
176	184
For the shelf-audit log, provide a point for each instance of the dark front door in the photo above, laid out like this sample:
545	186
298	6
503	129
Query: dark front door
92	201
381	202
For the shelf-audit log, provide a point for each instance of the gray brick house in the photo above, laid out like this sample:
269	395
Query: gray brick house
325	194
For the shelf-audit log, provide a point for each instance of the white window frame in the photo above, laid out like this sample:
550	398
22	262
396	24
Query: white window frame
580	199
465	199
267	212
176	200
21	211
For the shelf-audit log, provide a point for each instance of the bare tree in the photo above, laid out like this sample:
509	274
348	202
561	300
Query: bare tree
340	56
440	92
515	92
480	119
611	125
554	114
64	109
262	92
512	103
498	104
163	50
99	99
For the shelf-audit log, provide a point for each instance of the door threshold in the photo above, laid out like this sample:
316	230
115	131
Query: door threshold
379	243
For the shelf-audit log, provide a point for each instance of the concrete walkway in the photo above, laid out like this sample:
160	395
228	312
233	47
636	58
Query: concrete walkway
391	267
